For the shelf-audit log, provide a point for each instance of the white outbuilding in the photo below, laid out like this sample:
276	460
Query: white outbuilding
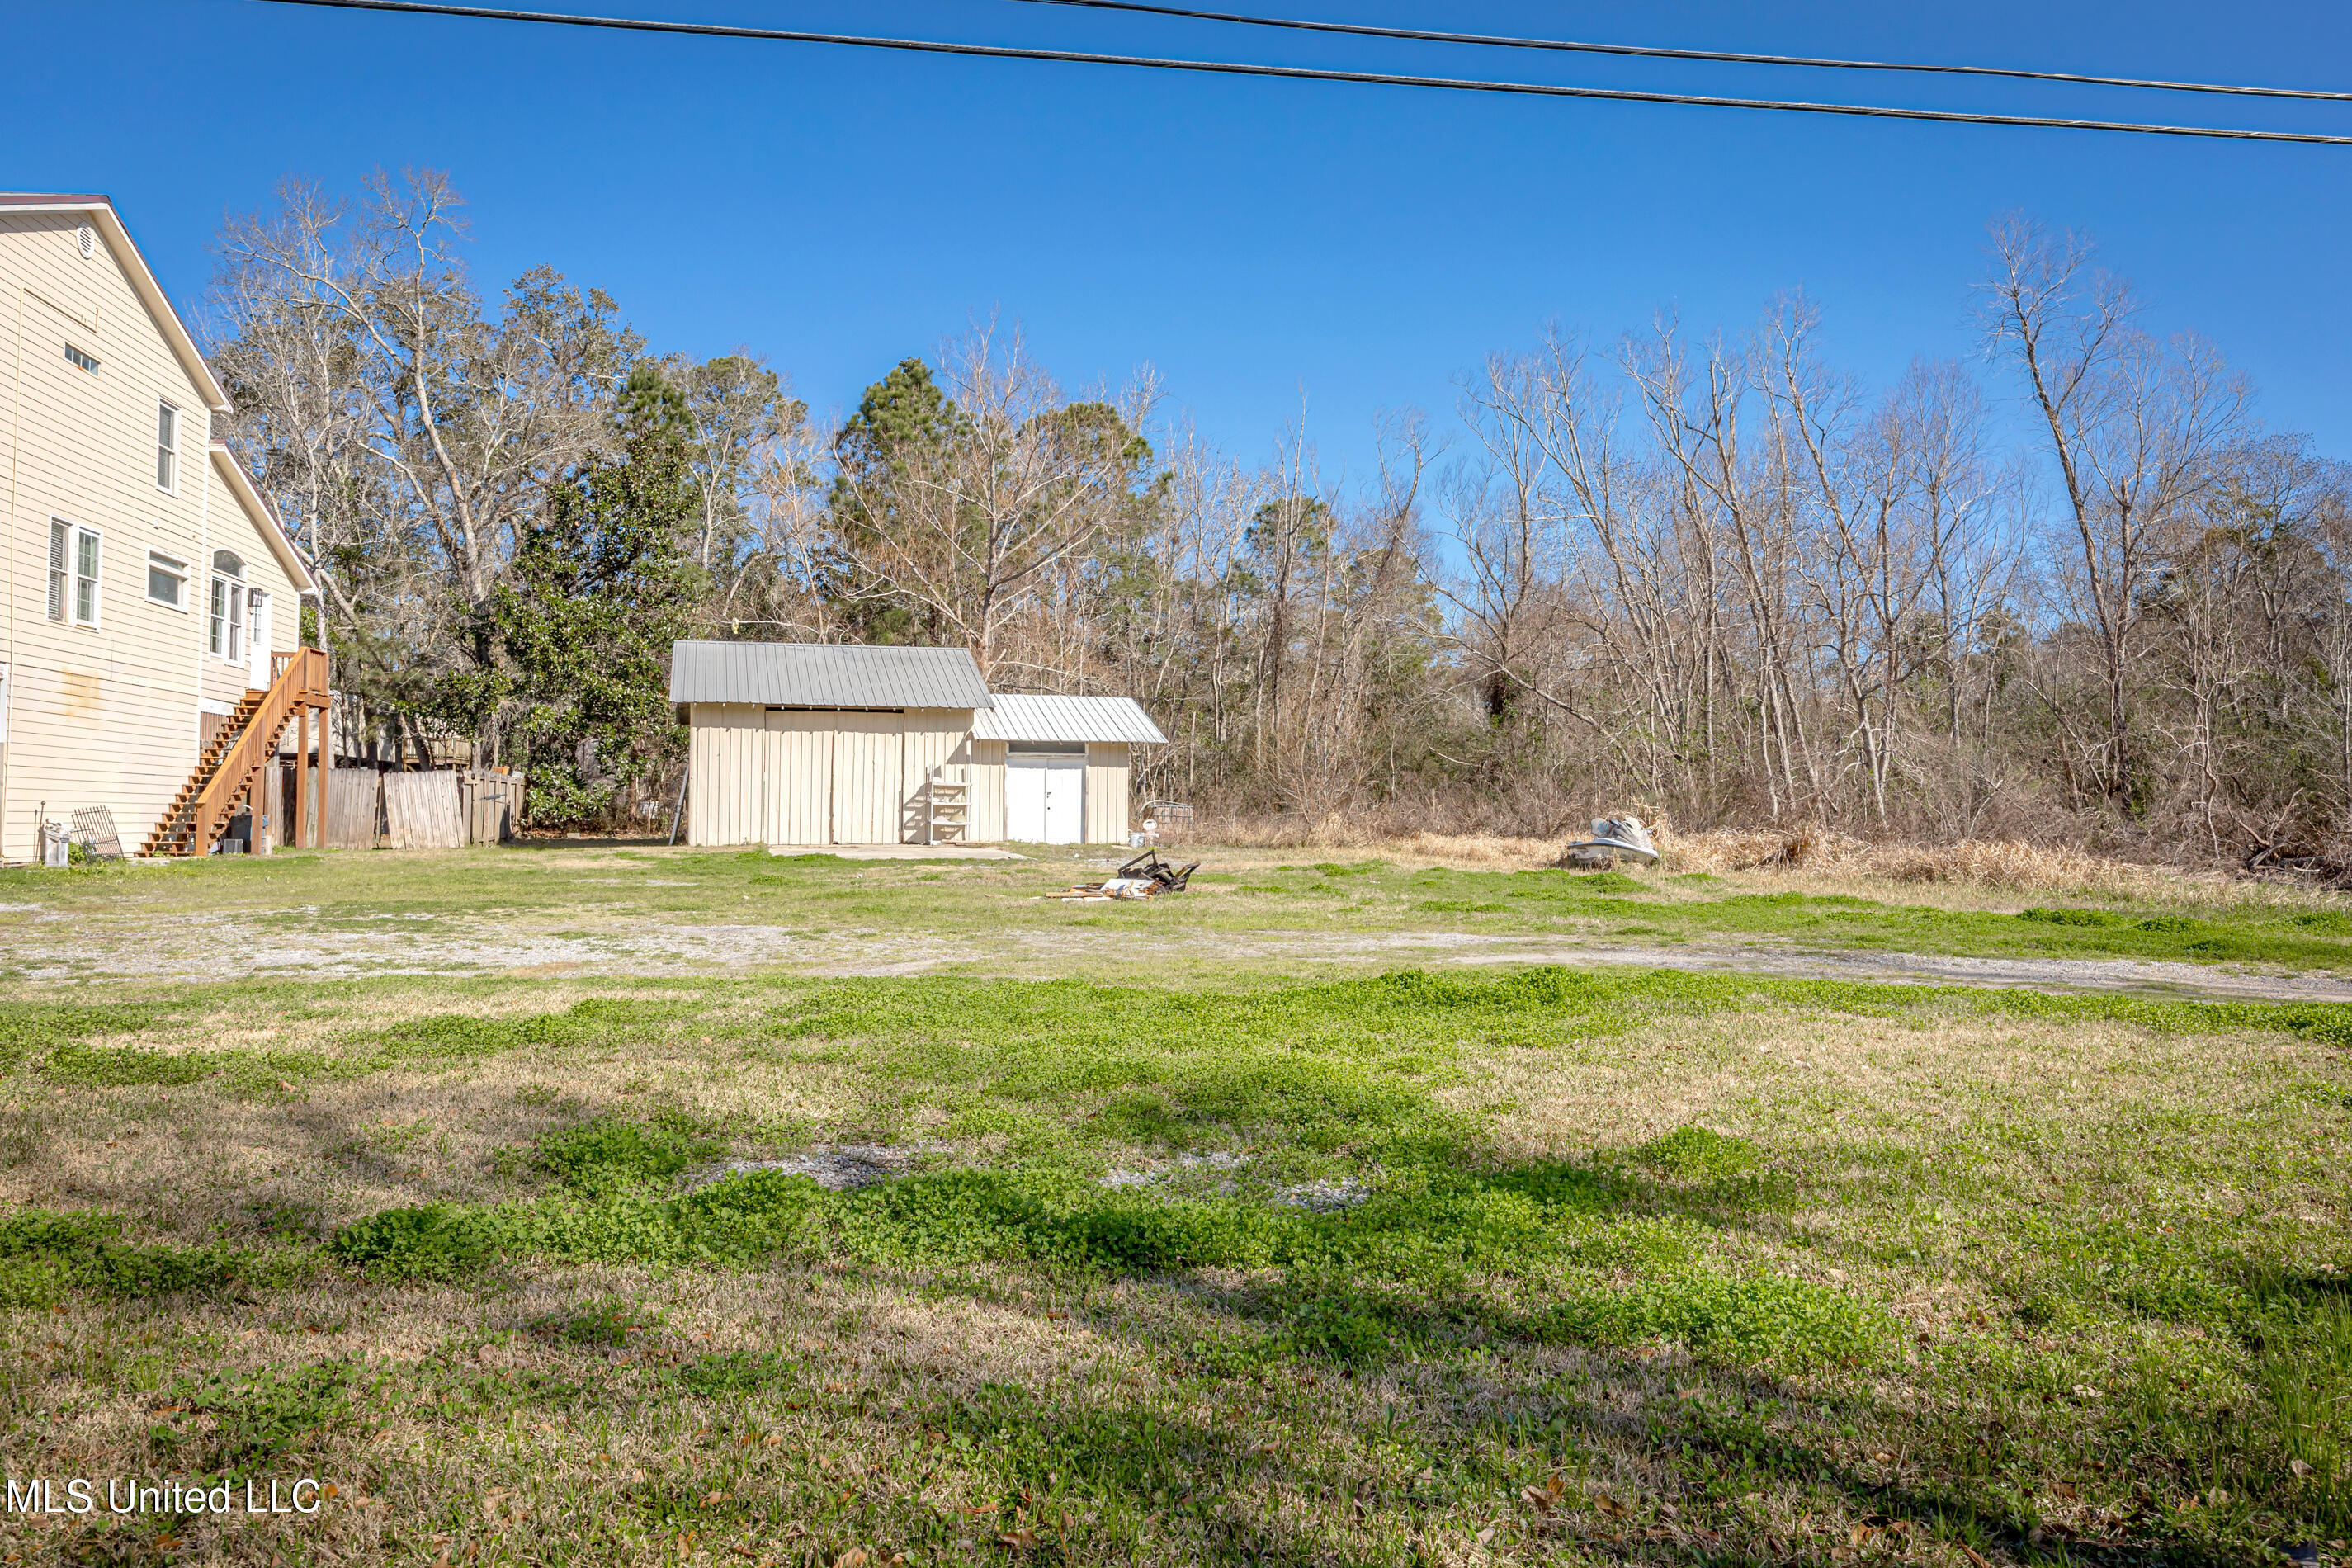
821	744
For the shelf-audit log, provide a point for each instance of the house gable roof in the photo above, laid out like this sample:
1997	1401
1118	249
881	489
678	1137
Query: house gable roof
1066	719
265	521
825	675
99	211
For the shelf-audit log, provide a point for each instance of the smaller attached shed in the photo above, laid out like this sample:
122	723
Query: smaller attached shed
1056	770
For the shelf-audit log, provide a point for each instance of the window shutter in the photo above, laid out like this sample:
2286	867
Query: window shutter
58	531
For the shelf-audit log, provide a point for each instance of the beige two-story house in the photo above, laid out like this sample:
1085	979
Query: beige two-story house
146	583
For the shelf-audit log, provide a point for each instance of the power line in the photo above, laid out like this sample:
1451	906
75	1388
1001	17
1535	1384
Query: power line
1643	51
1307	73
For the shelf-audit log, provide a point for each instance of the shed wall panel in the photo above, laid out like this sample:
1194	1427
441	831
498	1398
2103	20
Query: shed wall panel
987	791
869	776
935	737
800	777
727	792
1108	772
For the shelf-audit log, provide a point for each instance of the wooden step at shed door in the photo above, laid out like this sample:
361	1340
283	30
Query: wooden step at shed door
948	791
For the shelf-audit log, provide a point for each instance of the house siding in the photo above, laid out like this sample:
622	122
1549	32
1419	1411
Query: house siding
108	715
100	715
223	682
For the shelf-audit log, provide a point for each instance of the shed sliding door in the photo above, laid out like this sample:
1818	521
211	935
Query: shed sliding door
799	795
868	764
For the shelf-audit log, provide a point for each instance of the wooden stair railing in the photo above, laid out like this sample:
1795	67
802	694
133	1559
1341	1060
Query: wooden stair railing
175	822
231	769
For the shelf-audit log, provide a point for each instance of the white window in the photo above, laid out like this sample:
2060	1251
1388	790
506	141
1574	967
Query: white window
73	572
228	607
167	446
85	578
82	359
167	580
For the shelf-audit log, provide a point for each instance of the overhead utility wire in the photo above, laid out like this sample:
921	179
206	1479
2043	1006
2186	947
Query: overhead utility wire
1645	52
1302	73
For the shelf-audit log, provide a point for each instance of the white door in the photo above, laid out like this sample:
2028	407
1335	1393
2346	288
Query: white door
1045	799
1024	801
257	645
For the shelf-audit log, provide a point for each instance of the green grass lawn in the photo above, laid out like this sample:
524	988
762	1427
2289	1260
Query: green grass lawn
1535	1266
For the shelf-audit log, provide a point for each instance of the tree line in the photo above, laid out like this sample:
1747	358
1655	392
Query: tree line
2070	589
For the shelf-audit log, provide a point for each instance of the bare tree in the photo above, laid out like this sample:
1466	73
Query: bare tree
2133	424
1025	483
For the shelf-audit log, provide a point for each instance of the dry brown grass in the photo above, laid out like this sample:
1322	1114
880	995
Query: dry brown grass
2007	864
303	1161
2002	864
883	1367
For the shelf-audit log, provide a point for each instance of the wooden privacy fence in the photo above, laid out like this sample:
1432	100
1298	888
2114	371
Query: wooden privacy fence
491	805
420	812
354	808
437	810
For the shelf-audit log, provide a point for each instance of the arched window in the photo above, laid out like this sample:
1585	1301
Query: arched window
228	607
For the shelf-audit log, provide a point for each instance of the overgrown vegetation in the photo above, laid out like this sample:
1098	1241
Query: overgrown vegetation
1702	575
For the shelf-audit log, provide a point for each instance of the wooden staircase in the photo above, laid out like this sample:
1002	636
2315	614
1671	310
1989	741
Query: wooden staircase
173	834
948	795
232	769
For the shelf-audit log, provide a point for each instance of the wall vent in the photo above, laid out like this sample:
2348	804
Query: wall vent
88	240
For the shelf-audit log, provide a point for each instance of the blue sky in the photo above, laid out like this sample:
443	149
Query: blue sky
1260	243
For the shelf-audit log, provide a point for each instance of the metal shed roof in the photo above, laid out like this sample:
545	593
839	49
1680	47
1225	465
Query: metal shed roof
825	675
1066	719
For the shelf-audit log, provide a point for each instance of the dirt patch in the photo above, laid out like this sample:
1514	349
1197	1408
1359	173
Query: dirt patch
840	1170
188	948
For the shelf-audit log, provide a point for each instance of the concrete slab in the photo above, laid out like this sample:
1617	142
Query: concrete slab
899	851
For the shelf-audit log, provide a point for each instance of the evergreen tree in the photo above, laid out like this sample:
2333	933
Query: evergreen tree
602	583
902	419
